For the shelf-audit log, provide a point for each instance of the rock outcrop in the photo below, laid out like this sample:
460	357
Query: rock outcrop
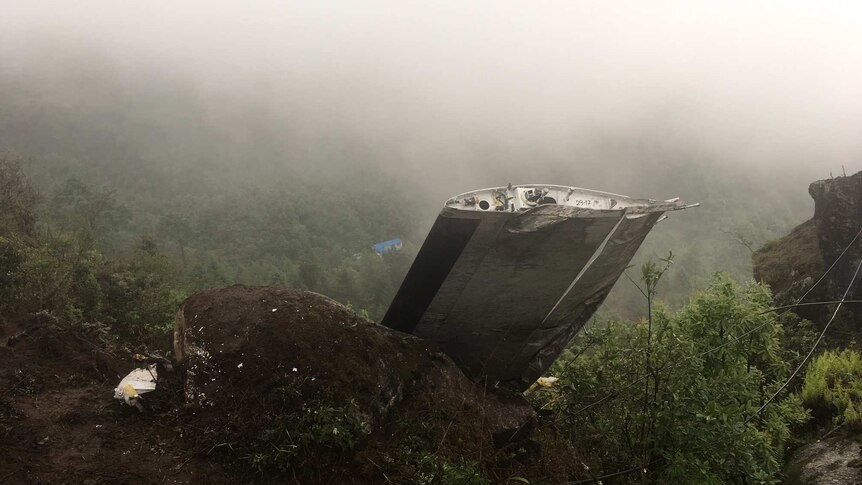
832	461
793	264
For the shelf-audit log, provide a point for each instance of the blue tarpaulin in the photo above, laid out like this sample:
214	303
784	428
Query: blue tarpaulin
387	246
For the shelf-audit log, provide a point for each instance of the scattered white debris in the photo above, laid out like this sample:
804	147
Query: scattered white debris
137	382
295	369
547	381
542	382
275	309
239	366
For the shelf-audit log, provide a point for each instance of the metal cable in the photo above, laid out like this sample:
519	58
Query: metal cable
795	372
786	307
831	266
813	348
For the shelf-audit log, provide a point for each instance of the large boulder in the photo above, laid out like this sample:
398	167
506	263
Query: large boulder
832	461
286	381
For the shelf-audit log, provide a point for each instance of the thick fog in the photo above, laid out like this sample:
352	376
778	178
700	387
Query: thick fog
738	105
495	91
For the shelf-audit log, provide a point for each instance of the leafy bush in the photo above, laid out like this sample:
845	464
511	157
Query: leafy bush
17	199
58	276
10	262
833	387
142	296
674	398
290	439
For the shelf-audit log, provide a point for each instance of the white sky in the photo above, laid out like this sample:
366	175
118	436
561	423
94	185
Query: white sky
769	76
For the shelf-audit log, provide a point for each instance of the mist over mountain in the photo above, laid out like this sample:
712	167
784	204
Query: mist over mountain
736	108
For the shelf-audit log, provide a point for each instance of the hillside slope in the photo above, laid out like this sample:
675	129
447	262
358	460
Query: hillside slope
271	386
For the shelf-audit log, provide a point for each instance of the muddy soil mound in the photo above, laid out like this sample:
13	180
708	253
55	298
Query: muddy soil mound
286	383
791	265
272	386
59	423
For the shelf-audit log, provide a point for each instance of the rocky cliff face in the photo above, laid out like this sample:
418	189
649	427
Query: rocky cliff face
793	264
838	216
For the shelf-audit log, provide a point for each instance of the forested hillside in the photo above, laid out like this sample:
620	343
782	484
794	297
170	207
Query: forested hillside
679	395
231	189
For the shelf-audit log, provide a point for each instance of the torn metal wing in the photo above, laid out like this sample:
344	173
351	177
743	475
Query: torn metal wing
507	276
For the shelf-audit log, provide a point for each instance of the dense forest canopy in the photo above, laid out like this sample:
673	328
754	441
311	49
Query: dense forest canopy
239	190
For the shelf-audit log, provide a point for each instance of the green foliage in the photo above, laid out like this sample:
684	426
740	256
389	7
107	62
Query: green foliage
651	273
289	439
142	295
64	275
434	470
58	276
702	381
10	281
17	199
797	338
77	205
833	387
136	297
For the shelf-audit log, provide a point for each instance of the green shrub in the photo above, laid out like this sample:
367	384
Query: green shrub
677	401
833	387
141	297
57	275
10	278
291	438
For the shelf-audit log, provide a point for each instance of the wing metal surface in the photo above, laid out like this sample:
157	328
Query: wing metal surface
502	292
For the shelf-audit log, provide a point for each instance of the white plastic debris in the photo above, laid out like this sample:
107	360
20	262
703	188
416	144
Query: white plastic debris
542	383
137	382
547	381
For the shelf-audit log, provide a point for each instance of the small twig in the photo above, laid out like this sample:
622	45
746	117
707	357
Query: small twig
634	283
3	480
381	470
832	431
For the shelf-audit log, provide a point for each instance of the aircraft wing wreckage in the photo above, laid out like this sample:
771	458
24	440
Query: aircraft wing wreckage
508	275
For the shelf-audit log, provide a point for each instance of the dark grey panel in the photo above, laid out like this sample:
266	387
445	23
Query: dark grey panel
438	254
546	343
502	293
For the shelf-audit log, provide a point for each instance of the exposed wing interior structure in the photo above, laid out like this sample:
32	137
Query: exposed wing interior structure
508	275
